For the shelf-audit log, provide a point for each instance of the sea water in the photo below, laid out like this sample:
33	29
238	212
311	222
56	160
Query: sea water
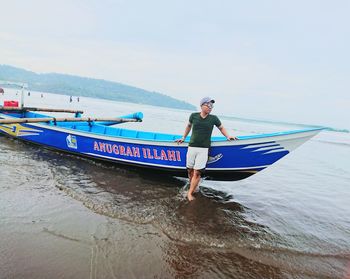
66	217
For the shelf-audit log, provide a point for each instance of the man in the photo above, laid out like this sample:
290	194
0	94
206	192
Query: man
202	124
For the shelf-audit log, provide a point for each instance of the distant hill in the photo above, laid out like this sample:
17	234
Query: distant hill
89	87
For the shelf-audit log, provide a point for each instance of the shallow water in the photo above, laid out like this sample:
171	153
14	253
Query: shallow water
68	217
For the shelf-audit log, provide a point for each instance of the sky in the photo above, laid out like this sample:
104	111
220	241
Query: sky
274	60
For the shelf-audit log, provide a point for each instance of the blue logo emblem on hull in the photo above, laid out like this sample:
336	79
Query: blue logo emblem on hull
72	142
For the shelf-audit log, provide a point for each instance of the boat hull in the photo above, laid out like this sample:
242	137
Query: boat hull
228	160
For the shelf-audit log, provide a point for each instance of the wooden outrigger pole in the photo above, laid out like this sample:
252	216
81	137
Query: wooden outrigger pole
69	119
39	109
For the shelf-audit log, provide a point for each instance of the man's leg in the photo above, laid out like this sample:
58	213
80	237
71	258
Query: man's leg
190	174
194	184
190	159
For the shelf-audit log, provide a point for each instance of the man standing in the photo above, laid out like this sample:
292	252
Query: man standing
202	124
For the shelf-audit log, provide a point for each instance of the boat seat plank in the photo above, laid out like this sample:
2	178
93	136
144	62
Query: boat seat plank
30	114
98	129
164	137
112	131
128	133
83	128
146	135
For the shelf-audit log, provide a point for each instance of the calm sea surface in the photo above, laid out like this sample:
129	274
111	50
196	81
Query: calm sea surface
66	217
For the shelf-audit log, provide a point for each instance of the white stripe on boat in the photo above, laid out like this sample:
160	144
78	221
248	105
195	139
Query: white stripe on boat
134	162
259	145
275	151
167	166
268	148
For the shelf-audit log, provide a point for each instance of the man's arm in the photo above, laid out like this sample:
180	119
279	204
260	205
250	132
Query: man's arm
224	132
187	131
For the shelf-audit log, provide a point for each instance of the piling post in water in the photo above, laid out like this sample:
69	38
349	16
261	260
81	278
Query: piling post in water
22	96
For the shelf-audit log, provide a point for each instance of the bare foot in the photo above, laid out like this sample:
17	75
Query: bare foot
190	197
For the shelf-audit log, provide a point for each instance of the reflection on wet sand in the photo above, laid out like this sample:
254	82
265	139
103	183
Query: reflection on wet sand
196	232
144	226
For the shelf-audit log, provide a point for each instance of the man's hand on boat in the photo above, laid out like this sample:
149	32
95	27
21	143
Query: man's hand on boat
231	138
180	140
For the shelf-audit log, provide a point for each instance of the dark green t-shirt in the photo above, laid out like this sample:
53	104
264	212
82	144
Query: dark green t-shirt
202	129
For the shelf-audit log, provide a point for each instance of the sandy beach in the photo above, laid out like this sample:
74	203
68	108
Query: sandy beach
67	217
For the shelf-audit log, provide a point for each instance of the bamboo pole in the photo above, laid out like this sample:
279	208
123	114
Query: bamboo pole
39	109
54	119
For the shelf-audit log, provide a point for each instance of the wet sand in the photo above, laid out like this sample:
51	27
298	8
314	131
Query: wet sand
75	218
50	231
66	217
47	234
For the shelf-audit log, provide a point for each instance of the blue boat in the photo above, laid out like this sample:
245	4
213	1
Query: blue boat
103	140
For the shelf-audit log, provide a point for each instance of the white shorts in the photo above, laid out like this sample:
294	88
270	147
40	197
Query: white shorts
197	157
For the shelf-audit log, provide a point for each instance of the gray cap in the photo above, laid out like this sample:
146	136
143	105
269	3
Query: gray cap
206	100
